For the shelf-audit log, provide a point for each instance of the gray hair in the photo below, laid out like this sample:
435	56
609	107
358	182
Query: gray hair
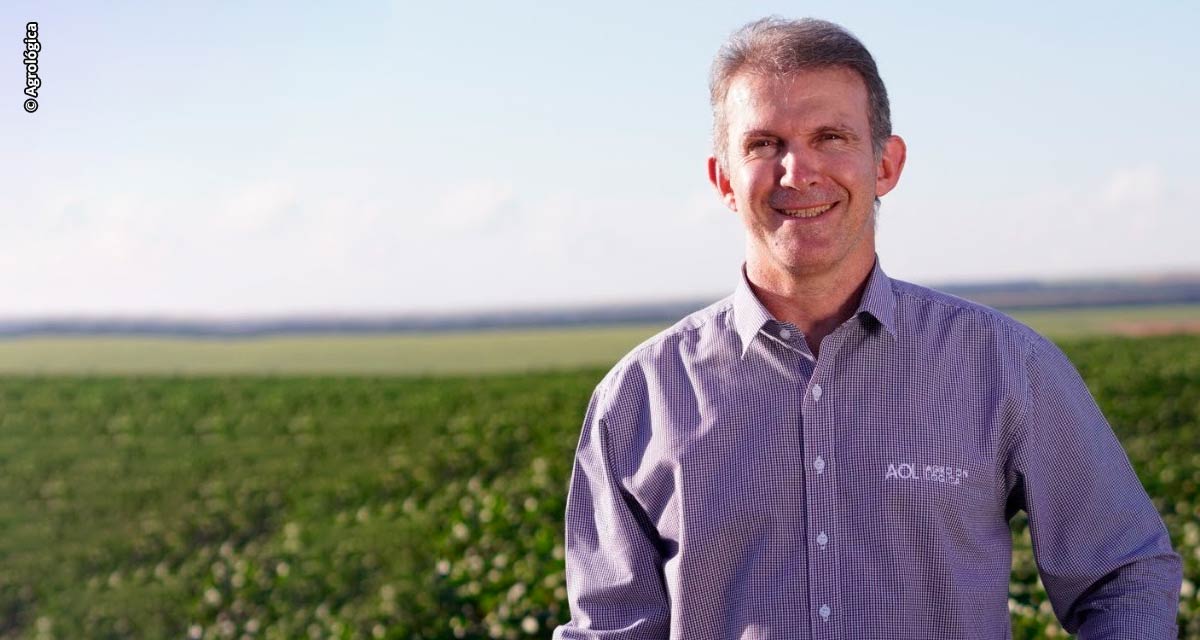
778	47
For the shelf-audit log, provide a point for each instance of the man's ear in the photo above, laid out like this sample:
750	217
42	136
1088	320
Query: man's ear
890	165
720	180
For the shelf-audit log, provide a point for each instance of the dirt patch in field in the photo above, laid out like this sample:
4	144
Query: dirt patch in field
1155	327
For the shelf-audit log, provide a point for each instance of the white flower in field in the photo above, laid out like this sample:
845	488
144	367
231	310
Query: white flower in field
529	625
516	591
195	632
212	597
378	631
460	531
291	536
443	567
387	592
363	514
1191	534
1188	589
282	569
252	625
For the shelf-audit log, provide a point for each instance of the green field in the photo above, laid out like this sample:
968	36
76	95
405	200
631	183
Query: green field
386	354
390	507
451	352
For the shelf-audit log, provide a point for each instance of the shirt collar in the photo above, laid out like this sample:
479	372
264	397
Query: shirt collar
878	301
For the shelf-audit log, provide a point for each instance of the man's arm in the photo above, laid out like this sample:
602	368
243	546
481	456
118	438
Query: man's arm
614	570
1101	547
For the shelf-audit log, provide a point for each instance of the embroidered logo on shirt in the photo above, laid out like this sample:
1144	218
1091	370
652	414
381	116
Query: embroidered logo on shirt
928	473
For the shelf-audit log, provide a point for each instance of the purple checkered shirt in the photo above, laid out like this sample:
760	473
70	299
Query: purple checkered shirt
730	485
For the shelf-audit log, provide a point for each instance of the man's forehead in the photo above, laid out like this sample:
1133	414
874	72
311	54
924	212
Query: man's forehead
827	91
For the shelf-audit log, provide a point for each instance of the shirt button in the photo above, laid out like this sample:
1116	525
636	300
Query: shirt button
785	334
822	539
816	392
819	464
824	611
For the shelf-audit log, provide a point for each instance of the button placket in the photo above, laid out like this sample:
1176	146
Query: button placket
820	437
824	572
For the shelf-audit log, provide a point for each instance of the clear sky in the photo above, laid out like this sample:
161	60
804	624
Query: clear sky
280	157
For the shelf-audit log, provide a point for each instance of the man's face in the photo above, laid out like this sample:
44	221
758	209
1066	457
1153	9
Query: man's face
801	172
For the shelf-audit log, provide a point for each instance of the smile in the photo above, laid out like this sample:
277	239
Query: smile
810	212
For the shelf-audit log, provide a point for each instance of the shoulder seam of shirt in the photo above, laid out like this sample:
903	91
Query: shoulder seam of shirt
690	323
1035	351
1010	325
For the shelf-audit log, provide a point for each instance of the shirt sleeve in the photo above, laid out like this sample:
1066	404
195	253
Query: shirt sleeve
1101	548
614	577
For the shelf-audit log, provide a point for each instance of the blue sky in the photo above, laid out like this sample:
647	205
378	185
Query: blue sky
271	158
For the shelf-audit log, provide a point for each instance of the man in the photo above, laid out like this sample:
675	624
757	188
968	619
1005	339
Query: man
830	453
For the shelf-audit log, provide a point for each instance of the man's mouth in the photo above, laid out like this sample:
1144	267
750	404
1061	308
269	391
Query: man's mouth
809	212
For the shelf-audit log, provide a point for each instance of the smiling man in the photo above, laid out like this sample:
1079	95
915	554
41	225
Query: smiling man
832	453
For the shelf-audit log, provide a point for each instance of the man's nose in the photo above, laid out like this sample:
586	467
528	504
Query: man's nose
798	169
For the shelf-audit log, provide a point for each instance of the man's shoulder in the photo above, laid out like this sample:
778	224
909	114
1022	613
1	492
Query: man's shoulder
922	309
674	346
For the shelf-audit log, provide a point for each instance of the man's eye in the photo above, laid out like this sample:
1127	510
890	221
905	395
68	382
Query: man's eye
761	146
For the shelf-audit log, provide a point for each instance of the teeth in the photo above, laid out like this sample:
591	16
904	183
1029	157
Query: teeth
811	212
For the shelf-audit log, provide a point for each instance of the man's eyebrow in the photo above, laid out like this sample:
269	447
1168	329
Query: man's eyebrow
836	127
759	133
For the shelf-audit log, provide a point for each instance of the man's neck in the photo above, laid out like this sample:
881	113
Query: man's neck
815	303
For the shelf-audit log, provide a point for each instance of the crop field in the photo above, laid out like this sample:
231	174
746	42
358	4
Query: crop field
360	506
455	352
